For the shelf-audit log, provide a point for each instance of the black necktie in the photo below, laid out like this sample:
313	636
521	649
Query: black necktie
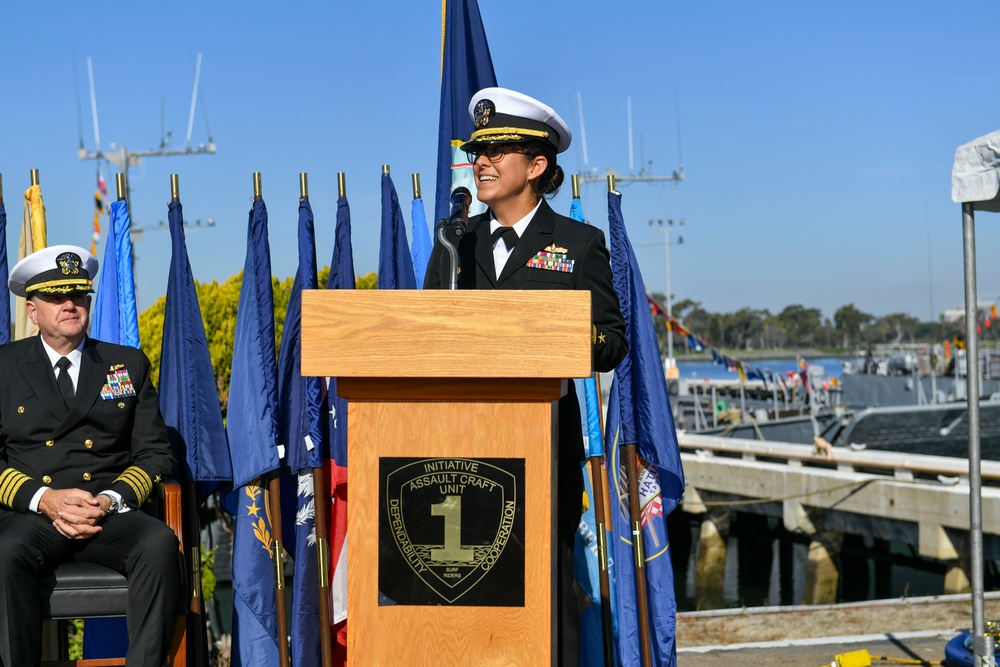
64	382
508	235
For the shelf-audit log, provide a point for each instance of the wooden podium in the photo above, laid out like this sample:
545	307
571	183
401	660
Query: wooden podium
451	475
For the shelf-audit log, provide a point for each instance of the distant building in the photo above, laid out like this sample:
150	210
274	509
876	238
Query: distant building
957	314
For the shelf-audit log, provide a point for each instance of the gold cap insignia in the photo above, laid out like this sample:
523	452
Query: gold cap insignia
69	263
484	109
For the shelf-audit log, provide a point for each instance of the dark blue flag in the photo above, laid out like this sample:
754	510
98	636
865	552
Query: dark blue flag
341	277
466	67
301	429
4	289
639	414
189	398
252	427
114	319
395	268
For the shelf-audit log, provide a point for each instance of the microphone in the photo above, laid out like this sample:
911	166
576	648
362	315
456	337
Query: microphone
461	199
456	223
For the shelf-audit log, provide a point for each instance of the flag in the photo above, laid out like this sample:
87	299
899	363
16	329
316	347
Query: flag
341	277
115	319
421	239
395	268
100	192
32	239
252	427
4	289
189	398
639	414
586	566
466	67
300	429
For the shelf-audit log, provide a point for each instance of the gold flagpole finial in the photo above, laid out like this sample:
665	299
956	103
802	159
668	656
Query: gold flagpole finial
175	188
303	186
34	177
611	182
416	186
576	186
385	169
256	186
120	185
341	184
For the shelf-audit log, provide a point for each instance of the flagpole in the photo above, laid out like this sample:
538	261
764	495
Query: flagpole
600	487
341	184
642	603
120	185
189	509
416	186
322	535
274	516
34	177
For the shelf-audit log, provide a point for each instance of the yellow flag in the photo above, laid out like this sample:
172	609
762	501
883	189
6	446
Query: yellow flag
32	239
741	371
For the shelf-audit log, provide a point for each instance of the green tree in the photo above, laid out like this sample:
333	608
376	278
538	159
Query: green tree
849	322
803	326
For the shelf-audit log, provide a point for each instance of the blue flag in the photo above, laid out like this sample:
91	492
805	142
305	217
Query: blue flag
115	319
4	289
300	425
251	421
466	67
639	414
395	268
586	567
252	427
422	243
189	398
341	277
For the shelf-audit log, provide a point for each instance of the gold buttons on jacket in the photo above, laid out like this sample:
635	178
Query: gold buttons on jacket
20	409
121	404
49	443
46	480
86	476
88	443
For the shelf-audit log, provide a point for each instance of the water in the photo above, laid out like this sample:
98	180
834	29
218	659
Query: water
698	370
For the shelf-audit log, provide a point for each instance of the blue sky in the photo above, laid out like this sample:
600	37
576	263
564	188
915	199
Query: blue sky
817	138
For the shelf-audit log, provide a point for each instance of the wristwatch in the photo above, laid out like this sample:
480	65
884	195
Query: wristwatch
113	507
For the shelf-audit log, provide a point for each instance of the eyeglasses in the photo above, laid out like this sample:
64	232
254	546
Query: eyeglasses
494	152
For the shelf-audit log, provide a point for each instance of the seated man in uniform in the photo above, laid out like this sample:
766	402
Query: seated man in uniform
82	445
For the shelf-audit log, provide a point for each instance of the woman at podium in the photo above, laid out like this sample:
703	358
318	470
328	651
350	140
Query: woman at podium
520	243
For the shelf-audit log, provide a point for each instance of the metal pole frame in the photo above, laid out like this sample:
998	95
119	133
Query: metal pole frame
983	645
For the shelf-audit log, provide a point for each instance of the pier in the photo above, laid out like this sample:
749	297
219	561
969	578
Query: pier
826	495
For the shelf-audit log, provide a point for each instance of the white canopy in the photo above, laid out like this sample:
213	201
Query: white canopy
975	176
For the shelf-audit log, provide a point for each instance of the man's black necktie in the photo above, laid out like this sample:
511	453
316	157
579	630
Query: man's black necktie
64	382
508	235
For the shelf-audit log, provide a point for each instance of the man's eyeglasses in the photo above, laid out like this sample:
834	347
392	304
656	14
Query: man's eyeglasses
494	152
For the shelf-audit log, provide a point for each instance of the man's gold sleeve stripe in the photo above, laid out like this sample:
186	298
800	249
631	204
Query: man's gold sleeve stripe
139	481
10	482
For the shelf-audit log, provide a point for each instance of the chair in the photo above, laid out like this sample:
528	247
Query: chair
87	590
